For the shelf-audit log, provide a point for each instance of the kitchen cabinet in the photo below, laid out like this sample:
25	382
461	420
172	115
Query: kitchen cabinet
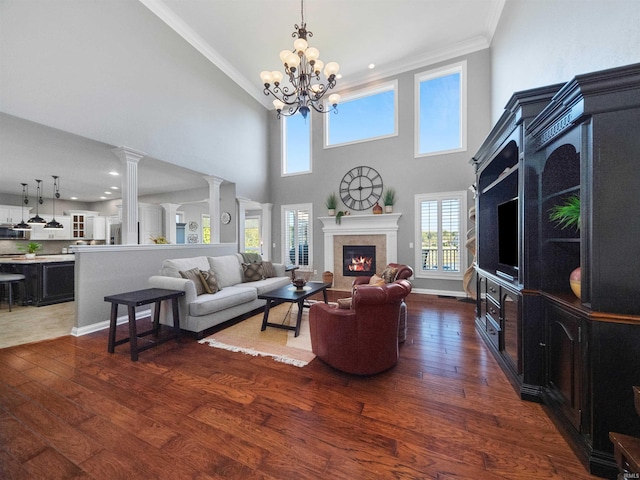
96	228
11	214
45	283
79	219
38	232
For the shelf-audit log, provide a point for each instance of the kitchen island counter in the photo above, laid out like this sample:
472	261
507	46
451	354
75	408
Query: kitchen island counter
48	278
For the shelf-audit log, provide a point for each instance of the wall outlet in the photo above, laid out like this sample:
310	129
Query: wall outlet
410	244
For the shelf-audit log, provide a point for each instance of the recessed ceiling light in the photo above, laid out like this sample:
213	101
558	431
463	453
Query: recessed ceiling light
372	66
103	198
73	198
339	76
108	193
114	173
115	188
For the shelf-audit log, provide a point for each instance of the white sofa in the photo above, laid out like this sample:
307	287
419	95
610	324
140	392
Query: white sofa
236	297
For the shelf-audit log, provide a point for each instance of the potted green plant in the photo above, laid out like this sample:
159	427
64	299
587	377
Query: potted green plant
389	198
30	249
331	203
567	214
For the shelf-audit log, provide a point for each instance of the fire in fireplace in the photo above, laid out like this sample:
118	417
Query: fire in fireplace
358	260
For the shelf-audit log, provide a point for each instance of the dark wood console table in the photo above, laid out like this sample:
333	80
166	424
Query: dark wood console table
136	299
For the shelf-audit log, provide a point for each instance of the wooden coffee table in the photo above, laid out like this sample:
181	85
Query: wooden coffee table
293	295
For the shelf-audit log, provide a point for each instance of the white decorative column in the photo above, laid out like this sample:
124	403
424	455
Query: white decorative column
170	210
214	206
129	185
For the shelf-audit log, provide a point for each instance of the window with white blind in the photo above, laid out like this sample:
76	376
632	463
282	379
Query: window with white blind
297	235
440	228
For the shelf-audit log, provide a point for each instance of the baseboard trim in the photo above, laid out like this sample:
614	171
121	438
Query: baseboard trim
96	327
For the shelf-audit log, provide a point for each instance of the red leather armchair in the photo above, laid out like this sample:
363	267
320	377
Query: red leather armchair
404	272
364	339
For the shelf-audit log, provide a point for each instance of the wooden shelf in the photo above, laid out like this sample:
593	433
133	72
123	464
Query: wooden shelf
503	176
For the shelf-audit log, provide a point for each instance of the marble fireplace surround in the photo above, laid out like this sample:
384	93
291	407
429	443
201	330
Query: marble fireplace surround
379	230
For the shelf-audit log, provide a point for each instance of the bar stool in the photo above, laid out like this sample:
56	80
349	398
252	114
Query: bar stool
9	279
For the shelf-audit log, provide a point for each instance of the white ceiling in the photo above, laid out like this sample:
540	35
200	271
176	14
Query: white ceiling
244	37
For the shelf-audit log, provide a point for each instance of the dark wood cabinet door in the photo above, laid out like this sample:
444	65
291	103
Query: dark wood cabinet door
564	362
512	329
57	282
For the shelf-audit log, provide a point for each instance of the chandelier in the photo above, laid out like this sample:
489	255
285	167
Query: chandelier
25	201
302	68
37	219
54	224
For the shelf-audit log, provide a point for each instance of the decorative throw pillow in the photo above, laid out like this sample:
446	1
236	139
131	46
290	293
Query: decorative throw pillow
196	278
344	303
252	271
268	270
376	280
389	274
210	281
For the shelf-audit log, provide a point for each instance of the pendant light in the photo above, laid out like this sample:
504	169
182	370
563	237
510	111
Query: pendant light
25	201
37	220
54	224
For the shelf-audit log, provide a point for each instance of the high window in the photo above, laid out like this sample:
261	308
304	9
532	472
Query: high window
440	225
441	110
296	141
367	114
297	233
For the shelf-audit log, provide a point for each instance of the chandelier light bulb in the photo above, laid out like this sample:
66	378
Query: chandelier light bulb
266	77
317	67
283	56
300	44
315	88
292	60
278	104
277	76
334	98
331	69
312	54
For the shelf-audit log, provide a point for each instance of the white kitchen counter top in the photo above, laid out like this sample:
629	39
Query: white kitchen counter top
39	259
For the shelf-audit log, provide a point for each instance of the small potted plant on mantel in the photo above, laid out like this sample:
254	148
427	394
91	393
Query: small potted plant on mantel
389	198
30	249
331	203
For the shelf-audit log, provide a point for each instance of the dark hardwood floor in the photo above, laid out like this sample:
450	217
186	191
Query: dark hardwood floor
69	409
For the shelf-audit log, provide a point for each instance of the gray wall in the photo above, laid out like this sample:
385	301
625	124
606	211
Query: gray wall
544	42
394	159
112	71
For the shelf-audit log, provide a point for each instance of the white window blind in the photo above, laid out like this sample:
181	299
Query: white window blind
297	231
438	233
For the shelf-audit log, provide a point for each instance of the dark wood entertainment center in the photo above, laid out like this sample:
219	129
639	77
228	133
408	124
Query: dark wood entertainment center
578	356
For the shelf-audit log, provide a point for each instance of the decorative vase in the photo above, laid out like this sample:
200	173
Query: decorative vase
388	208
327	277
29	256
332	212
377	209
574	281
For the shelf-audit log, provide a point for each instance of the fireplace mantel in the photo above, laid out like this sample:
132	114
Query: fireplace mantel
385	224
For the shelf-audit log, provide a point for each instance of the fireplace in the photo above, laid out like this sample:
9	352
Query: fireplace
358	260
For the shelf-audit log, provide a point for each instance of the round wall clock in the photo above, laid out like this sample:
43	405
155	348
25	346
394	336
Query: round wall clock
225	218
193	226
361	188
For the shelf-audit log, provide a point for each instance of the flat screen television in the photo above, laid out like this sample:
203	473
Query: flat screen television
508	237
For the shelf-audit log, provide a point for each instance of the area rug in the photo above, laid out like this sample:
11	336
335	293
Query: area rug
246	337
